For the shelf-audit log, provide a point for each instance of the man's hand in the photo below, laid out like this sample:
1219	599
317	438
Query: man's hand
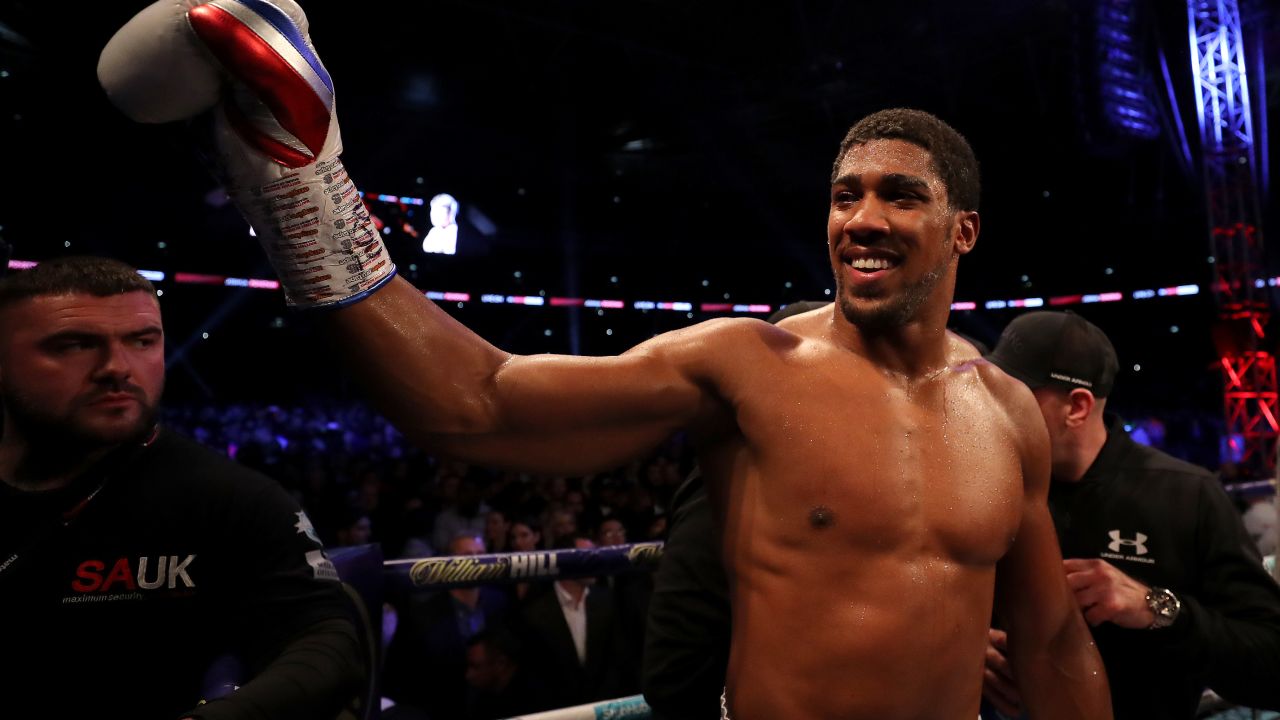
998	685
1107	595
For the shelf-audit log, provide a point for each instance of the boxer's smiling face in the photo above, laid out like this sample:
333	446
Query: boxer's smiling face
891	234
80	368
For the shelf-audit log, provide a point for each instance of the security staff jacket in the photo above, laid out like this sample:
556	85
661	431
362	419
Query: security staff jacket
1170	524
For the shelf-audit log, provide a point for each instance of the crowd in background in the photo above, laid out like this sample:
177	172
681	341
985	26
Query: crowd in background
361	481
474	653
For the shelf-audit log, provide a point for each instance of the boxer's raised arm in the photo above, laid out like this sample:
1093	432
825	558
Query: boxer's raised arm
450	391
252	65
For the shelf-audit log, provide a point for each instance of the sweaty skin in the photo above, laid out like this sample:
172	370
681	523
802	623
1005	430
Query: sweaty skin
878	614
880	487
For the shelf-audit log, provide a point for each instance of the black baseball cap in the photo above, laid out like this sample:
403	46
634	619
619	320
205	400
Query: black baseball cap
796	308
1057	348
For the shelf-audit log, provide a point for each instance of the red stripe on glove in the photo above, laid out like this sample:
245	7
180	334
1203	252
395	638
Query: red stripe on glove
271	78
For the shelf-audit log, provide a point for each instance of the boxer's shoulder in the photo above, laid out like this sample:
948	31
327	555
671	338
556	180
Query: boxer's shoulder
1016	405
722	338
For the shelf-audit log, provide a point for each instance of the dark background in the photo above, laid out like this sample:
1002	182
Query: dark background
682	148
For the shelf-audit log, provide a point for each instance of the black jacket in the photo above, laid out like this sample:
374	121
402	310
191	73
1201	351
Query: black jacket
1169	524
426	661
609	671
686	649
181	558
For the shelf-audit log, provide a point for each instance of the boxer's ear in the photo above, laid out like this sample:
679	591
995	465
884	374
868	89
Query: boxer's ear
965	234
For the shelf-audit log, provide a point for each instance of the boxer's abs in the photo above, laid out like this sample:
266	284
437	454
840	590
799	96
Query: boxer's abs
880	639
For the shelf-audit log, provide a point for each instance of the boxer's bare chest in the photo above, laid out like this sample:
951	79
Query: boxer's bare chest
843	456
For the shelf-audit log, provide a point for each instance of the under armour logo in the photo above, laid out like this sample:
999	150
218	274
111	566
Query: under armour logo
1138	543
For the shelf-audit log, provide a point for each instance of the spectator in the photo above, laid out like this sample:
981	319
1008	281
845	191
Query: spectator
500	685
576	634
466	515
427	659
156	552
497	530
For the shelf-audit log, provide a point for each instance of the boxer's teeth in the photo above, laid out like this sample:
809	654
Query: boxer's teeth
871	264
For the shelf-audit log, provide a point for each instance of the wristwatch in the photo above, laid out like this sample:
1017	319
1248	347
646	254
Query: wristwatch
1164	605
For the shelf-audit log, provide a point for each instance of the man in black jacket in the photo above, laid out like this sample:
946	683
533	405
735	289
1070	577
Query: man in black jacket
574	637
131	558
686	651
427	659
1154	549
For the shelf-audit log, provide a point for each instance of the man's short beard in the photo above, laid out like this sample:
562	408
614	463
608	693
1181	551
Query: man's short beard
46	432
897	311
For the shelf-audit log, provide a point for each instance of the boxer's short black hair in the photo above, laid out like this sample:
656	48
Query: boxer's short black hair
953	159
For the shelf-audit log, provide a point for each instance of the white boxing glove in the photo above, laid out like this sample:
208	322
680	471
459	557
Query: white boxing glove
275	130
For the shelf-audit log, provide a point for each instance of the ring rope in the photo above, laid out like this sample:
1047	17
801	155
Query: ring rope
460	571
627	708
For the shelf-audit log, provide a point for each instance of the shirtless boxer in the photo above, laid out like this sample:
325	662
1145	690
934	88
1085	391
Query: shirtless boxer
880	486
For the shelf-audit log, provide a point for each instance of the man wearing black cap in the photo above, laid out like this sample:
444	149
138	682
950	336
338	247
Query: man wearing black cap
1155	551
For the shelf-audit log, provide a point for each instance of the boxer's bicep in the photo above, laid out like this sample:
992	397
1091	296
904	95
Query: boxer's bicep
576	415
452	392
549	393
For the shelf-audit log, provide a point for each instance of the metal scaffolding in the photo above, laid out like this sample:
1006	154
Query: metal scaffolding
1230	165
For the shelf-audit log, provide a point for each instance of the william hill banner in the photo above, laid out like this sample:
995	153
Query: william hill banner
455	571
